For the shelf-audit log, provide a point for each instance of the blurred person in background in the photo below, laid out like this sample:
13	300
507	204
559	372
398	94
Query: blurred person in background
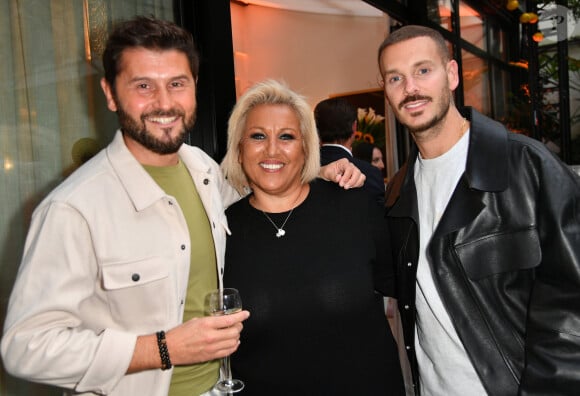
336	122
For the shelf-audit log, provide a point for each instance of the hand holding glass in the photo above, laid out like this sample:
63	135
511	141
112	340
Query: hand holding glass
225	302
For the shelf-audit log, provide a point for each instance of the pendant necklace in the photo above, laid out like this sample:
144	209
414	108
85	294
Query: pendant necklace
280	232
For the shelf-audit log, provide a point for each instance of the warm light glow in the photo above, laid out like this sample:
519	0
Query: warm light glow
88	55
523	64
512	5
444	11
8	164
464	11
525	17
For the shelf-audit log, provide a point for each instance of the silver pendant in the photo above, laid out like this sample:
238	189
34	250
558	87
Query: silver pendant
280	233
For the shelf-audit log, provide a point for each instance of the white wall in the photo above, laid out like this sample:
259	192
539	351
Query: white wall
318	55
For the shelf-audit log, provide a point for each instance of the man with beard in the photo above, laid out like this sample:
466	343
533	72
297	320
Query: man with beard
119	258
485	236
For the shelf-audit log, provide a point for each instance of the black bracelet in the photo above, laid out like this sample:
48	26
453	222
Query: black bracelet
163	352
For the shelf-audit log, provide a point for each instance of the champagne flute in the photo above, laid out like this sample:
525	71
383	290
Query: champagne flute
225	302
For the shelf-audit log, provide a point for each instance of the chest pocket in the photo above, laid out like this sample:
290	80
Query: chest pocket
502	252
138	291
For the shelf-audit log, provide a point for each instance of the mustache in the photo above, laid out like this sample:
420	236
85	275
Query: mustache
413	98
163	113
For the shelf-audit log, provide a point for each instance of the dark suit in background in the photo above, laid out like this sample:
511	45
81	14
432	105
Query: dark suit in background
336	122
374	182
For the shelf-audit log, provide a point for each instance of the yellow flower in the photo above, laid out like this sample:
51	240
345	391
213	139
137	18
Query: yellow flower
371	127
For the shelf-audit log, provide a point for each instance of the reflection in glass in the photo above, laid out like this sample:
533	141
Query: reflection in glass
52	114
501	87
476	82
497	40
472	27
440	12
574	73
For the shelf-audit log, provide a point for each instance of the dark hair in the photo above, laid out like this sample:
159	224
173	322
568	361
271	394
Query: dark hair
413	31
334	118
149	33
363	151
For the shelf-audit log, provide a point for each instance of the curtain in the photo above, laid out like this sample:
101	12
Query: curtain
53	115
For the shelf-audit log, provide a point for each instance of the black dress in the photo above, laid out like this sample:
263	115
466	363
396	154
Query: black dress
317	326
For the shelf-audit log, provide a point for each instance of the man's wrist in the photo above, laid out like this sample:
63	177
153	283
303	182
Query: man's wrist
163	351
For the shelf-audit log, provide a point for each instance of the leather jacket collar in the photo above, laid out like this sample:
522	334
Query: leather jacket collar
486	168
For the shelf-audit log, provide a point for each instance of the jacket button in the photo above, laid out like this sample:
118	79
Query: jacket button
409	264
406	307
170	203
182	247
407	347
206	181
135	277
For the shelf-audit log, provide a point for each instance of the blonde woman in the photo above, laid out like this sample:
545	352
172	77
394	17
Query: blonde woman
304	255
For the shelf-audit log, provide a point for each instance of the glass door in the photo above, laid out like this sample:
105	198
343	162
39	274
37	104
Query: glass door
53	115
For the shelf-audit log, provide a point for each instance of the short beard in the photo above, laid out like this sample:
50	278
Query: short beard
434	122
138	131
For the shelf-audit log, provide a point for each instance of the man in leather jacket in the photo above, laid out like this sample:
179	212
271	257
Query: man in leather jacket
485	232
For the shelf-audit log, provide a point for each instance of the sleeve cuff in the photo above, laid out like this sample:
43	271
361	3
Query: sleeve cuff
111	362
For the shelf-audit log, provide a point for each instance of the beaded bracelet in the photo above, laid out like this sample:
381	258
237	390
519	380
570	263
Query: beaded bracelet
163	352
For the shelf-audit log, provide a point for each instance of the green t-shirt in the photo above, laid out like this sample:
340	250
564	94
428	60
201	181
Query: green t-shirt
177	182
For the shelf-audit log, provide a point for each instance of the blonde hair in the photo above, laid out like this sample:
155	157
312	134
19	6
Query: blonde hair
270	92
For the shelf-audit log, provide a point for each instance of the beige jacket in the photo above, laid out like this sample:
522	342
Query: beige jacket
106	259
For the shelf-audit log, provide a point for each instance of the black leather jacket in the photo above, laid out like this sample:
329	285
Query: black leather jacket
505	260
